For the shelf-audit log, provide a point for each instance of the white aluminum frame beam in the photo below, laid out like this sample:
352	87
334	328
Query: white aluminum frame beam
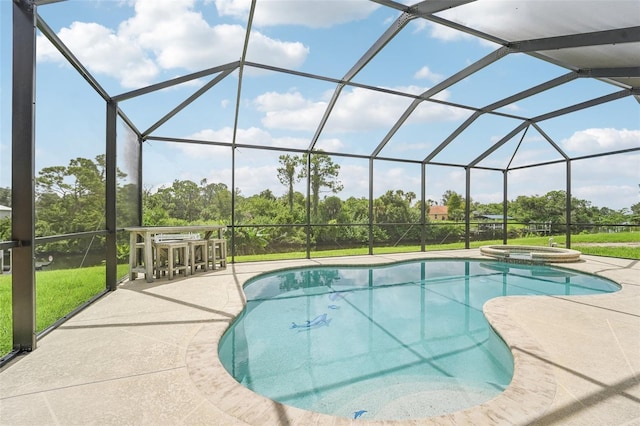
476	66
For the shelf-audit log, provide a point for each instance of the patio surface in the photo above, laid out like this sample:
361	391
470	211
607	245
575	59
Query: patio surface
146	354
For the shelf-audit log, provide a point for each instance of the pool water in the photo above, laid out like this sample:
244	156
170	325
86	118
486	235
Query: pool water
401	341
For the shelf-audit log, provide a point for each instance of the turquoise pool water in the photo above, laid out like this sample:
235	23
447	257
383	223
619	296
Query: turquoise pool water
400	341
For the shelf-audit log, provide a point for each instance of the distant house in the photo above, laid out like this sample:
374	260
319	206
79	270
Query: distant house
5	211
438	213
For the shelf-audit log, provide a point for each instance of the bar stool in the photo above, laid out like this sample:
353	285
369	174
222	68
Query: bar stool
137	257
171	257
198	255
217	253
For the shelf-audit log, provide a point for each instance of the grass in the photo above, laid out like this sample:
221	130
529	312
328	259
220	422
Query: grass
614	237
621	252
358	251
59	292
577	242
585	244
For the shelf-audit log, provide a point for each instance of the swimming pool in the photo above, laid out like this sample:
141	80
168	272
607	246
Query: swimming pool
407	340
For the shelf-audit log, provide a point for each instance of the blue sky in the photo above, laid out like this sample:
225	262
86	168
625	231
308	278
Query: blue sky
130	44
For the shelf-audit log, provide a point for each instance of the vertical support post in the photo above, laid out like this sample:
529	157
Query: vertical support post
233	203
467	296
423	301
308	166
111	164
22	175
423	209
139	182
370	206
467	207
568	208
505	204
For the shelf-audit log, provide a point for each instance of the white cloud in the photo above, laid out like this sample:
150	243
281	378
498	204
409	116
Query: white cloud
536	180
487	197
270	101
360	110
425	73
612	196
597	140
401	177
620	169
512	107
429	112
250	136
440	32
309	13
355	179
270	51
253	180
356	110
330	144
402	147
102	51
609	181
165	35
222	135
441	179
289	111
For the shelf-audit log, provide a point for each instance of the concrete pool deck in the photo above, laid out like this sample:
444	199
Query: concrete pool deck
147	354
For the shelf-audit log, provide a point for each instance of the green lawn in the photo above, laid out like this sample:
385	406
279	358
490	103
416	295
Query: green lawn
578	242
58	292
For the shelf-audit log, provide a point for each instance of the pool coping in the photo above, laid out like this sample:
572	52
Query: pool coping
521	402
530	393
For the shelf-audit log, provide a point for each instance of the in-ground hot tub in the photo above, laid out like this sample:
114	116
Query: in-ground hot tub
540	254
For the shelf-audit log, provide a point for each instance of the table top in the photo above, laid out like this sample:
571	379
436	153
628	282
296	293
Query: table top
170	229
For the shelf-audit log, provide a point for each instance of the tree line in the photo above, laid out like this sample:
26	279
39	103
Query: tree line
70	199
